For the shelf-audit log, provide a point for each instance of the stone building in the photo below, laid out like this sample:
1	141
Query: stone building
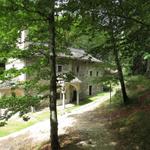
84	67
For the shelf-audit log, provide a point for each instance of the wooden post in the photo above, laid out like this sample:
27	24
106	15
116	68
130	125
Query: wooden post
0	112
77	97
110	92
63	100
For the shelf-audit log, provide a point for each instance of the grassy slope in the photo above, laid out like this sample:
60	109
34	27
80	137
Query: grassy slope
14	125
131	124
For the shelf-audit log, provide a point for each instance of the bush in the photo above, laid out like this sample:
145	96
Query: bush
106	88
136	87
138	83
43	104
25	117
2	123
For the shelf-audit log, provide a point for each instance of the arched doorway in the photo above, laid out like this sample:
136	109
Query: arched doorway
72	90
74	96
73	93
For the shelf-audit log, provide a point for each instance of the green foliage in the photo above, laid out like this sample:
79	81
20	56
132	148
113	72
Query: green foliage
66	77
147	56
117	99
17	104
138	83
137	86
32	17
25	117
130	29
2	123
84	24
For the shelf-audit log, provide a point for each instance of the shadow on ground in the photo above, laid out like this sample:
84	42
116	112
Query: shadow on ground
123	128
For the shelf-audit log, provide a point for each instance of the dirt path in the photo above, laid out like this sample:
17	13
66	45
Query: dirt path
81	118
91	132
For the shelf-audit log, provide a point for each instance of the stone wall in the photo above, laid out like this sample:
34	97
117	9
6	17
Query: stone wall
82	70
8	92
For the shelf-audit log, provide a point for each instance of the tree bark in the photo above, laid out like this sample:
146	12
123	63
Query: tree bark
148	68
53	85
110	91
113	28
121	78
120	73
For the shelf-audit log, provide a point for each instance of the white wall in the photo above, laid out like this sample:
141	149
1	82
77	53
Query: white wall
22	43
17	64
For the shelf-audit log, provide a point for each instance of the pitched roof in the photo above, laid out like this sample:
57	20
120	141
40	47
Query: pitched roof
79	54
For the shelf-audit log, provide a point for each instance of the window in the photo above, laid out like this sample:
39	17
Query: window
97	73
91	73
2	67
77	69
59	68
90	90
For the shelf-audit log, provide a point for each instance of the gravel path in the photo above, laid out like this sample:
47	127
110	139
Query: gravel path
29	138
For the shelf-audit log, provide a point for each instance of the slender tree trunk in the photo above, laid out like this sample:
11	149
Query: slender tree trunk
53	87
112	27
110	91
121	78
120	73
148	68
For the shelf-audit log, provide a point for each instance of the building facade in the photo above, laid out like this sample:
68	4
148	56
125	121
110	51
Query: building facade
84	68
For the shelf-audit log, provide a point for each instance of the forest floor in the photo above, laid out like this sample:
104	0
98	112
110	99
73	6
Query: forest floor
124	128
115	129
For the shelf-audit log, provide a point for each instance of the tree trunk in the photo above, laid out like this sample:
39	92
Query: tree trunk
53	87
110	91
120	76
120	73
112	28
119	68
148	68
